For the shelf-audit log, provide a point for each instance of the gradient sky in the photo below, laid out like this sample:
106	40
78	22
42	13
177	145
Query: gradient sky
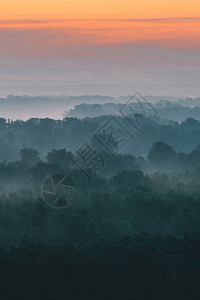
74	9
149	45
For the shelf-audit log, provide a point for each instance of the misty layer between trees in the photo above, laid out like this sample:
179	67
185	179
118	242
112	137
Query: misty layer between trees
156	192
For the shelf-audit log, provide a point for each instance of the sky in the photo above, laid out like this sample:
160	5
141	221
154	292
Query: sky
105	47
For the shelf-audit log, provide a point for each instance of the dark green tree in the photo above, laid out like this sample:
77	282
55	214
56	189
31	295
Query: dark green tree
29	157
161	155
60	157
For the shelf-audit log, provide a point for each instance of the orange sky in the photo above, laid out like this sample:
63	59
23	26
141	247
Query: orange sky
175	33
169	22
100	41
25	9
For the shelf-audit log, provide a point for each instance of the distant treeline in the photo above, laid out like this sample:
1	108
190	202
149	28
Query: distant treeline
177	111
23	107
71	133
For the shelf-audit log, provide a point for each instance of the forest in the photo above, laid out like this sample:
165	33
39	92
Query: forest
70	133
124	224
99	150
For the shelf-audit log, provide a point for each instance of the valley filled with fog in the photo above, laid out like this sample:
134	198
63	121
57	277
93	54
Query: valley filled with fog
100	183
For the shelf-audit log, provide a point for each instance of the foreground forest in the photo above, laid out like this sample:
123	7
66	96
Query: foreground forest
126	204
139	268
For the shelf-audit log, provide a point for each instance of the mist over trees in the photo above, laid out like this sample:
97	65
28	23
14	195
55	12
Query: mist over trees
44	135
177	111
26	107
132	228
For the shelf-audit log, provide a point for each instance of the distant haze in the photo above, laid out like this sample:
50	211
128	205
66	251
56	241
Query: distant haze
158	56
26	107
114	90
